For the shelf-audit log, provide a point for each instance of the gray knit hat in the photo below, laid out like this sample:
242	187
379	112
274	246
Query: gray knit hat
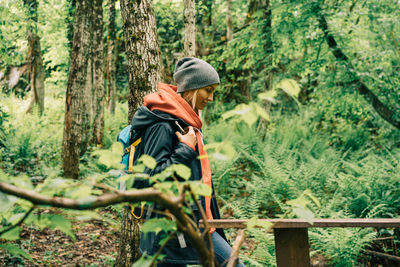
193	73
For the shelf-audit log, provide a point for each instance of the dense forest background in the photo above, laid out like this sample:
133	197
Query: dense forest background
308	105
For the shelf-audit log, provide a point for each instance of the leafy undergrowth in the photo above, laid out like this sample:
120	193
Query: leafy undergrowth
96	244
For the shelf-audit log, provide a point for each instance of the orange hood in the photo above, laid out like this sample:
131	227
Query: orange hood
168	101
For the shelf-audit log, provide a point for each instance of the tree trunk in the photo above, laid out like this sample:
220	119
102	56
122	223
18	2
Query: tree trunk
387	113
76	118
128	251
111	59
142	50
229	23
34	58
98	73
189	49
268	48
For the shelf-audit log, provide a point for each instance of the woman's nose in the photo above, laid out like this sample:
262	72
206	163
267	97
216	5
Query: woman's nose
210	97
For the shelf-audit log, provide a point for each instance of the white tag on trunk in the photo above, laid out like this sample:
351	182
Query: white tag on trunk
181	240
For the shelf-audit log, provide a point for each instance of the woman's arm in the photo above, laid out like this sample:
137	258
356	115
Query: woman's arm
161	143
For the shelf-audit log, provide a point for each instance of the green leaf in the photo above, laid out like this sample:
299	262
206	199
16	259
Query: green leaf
261	111
241	110
303	213
13	234
146	260
62	224
269	96
255	222
5	204
148	161
289	86
116	148
312	197
200	189
16	251
87	201
158	225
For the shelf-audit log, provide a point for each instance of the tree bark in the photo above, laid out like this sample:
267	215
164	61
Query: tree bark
76	119
98	73
34	58
142	50
189	49
111	59
387	113
144	69
229	23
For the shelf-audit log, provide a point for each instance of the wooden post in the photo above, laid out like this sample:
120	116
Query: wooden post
292	248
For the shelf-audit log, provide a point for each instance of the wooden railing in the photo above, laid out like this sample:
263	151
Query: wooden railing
291	235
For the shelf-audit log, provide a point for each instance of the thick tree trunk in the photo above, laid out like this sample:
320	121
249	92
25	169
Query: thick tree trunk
128	251
98	73
76	118
34	59
229	23
387	113
189	49
111	58
142	50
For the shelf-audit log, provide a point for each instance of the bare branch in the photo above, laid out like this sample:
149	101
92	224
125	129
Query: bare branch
235	249
148	194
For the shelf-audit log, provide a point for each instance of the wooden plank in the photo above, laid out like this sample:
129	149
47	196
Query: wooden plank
291	246
299	223
383	255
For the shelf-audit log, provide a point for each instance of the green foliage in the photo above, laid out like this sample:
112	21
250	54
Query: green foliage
342	245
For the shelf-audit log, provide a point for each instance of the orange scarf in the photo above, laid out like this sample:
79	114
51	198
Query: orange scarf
168	101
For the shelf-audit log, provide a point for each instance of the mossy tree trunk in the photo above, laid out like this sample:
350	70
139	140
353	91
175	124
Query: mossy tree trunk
144	65
98	73
142	50
189	49
111	58
76	123
34	58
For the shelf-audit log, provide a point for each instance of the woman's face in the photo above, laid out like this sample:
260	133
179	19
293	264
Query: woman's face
205	95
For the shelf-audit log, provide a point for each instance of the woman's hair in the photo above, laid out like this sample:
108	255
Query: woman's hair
191	97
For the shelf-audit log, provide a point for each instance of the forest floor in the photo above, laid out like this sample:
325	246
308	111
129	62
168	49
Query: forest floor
96	244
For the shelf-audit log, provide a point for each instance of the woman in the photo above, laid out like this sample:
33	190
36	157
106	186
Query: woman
170	127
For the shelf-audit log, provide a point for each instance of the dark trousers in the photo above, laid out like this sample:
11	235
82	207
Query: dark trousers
222	251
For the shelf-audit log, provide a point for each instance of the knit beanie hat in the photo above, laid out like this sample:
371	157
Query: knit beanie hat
193	73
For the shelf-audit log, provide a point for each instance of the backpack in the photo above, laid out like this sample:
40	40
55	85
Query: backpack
130	140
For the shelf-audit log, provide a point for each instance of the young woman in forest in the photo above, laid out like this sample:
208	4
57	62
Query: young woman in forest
169	124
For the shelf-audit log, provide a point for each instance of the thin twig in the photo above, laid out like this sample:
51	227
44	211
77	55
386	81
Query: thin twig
19	222
162	247
206	226
236	248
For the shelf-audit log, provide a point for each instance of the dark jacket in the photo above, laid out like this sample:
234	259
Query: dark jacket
157	130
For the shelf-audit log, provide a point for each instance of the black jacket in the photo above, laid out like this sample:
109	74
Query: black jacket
157	130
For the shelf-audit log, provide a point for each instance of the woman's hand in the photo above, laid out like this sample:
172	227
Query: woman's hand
188	137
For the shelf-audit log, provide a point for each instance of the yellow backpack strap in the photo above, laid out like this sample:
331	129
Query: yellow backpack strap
132	153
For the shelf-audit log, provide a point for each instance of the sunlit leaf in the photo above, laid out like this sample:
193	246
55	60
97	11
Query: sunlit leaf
312	197
148	161
13	234
269	96
199	188
289	86
303	213
157	225
255	222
